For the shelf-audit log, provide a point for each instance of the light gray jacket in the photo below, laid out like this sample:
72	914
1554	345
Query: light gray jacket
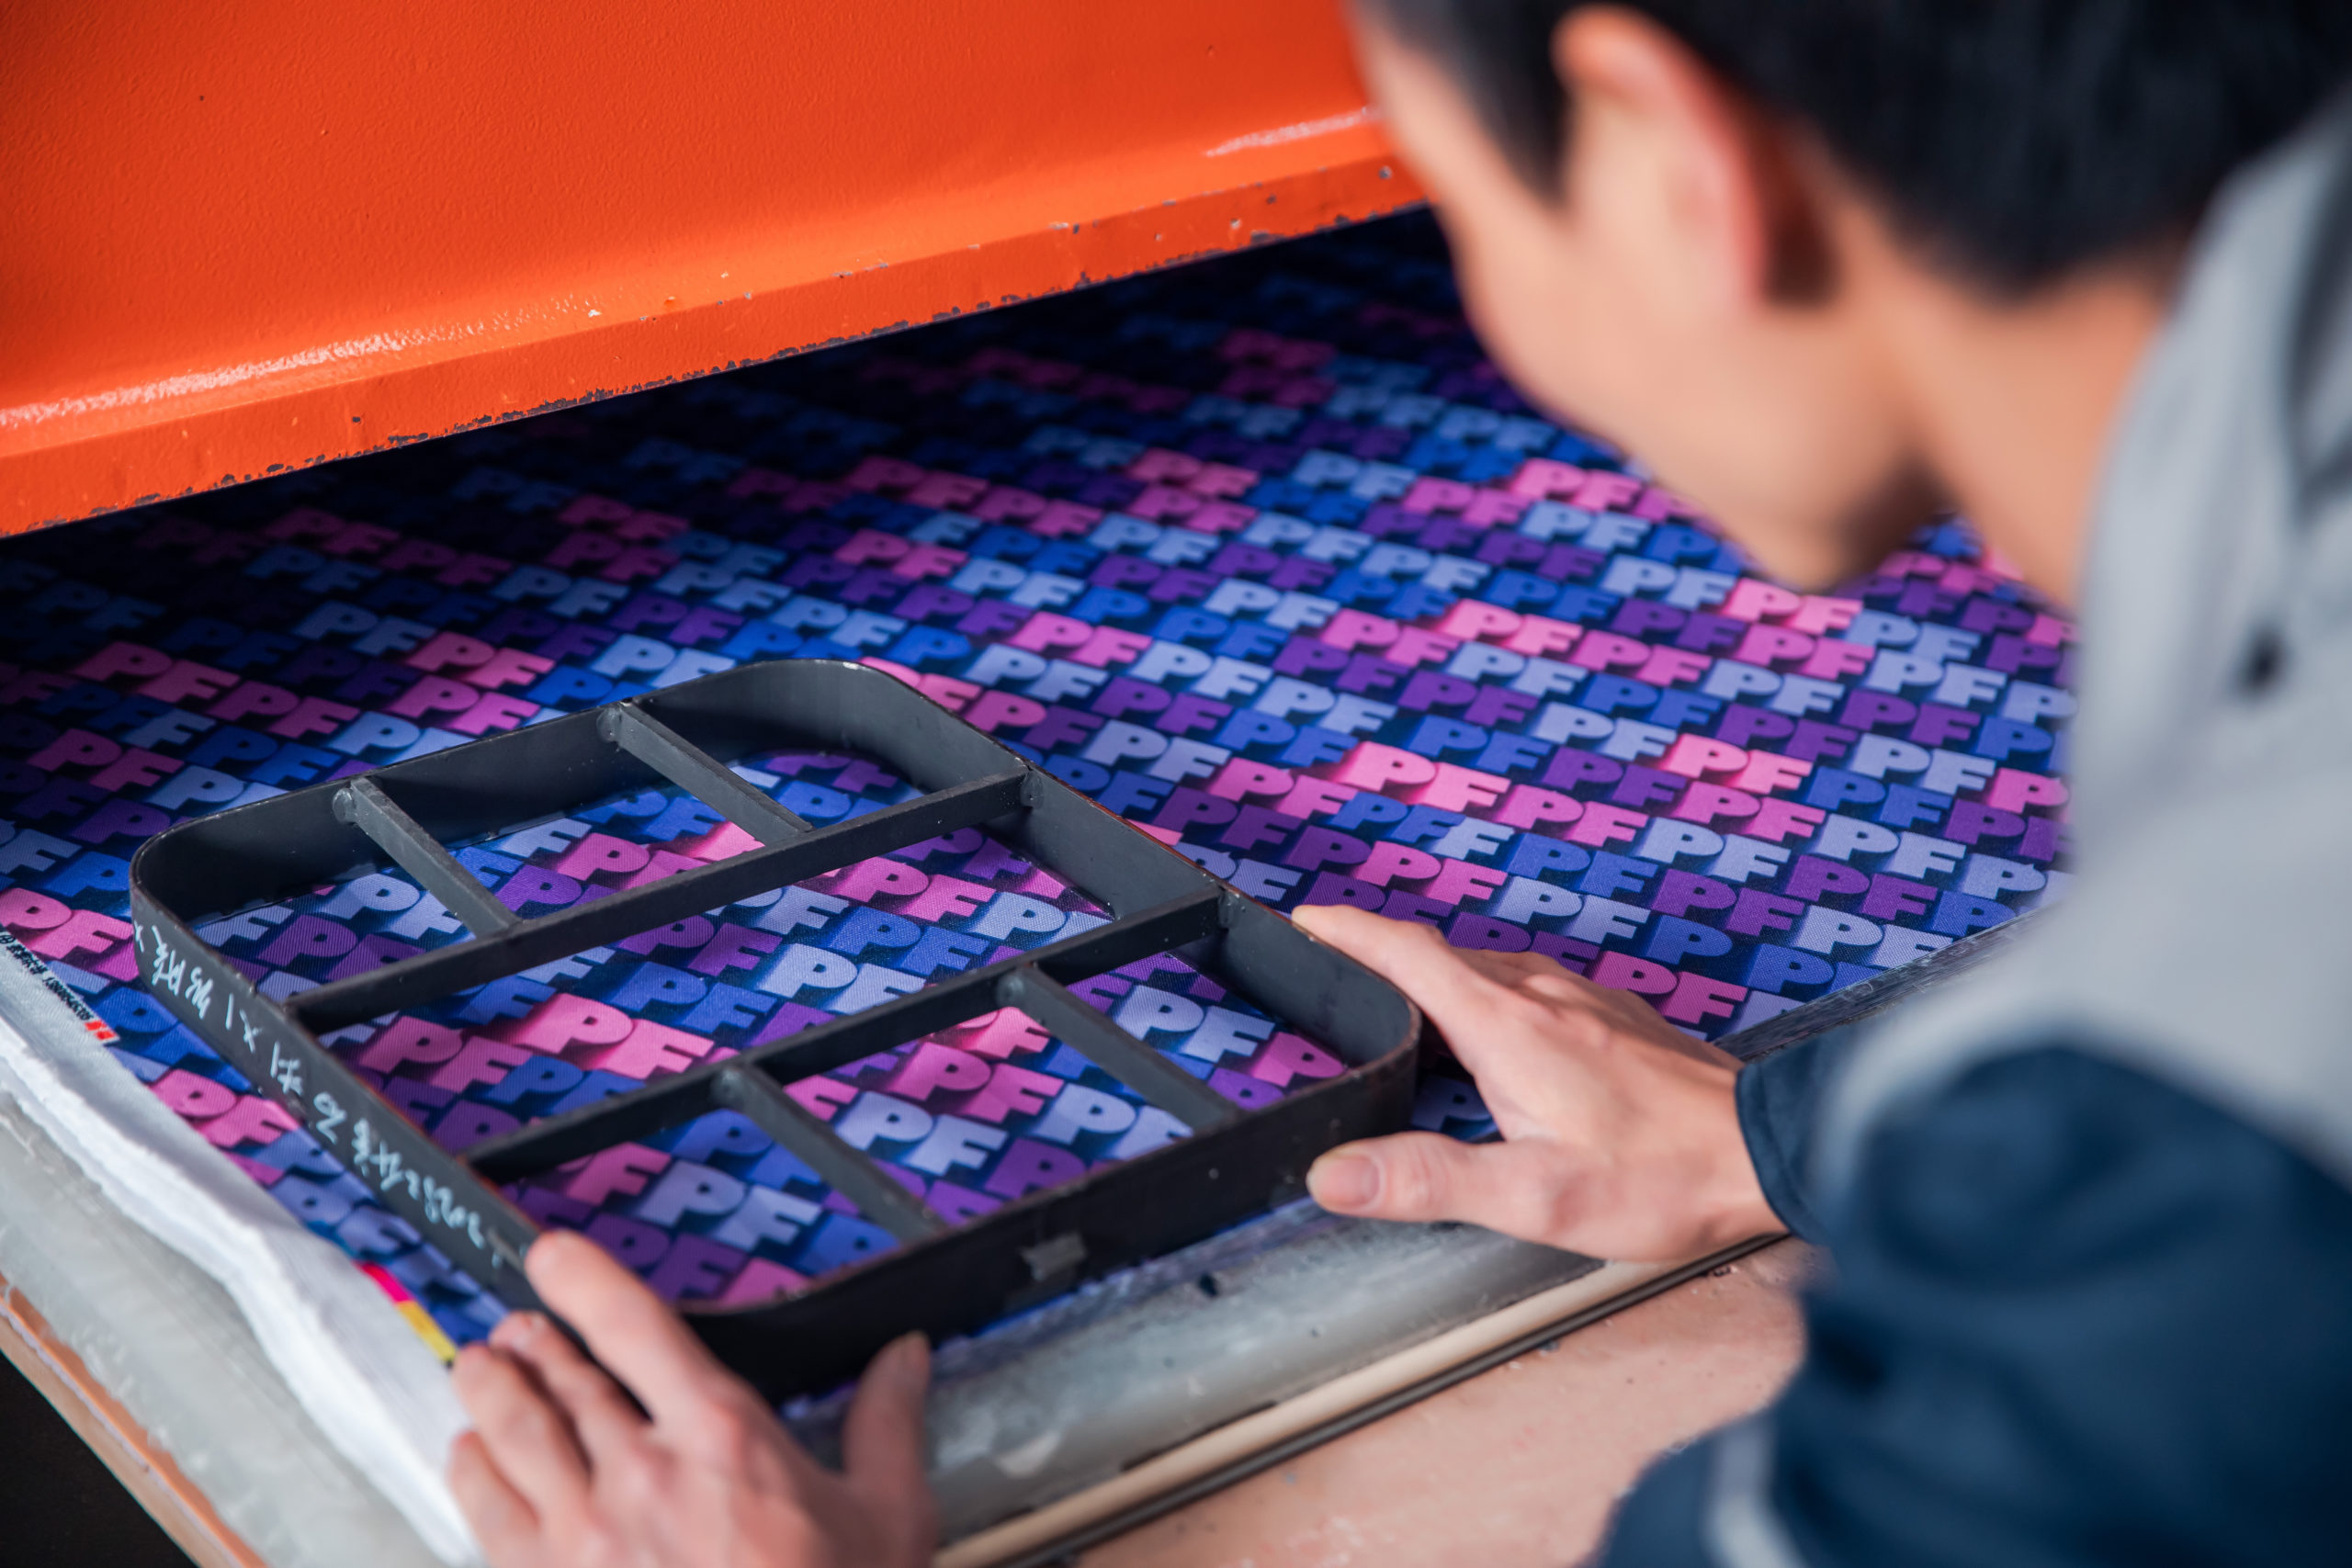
2208	938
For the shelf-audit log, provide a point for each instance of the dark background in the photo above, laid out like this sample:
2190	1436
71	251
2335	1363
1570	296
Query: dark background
58	1504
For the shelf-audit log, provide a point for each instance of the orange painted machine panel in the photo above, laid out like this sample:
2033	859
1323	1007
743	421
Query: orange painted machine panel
247	238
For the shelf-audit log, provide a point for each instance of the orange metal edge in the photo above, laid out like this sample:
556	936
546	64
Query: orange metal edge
302	426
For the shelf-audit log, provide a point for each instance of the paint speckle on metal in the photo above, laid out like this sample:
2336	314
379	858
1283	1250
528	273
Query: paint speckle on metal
234	228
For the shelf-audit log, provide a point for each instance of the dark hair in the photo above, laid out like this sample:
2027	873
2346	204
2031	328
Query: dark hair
2016	140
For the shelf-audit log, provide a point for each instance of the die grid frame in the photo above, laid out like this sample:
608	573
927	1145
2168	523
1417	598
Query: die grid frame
941	1279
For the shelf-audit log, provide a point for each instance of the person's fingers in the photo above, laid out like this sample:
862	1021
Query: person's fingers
628	1327
525	1435
600	1413
882	1442
503	1526
1425	1176
1418	961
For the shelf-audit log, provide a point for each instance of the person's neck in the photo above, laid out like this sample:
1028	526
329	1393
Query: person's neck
2014	403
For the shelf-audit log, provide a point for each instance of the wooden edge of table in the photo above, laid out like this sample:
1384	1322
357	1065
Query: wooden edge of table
174	1502
1166	1482
1239	1449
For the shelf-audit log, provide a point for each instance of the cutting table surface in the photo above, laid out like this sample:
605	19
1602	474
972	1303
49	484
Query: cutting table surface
1517	1468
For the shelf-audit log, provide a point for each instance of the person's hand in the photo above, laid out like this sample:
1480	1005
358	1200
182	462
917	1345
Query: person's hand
1621	1137
562	1472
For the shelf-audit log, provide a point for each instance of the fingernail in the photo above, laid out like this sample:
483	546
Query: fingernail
552	1251
903	1360
1343	1181
517	1328
555	1243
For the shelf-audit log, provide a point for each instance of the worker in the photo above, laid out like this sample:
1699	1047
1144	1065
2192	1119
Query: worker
2082	270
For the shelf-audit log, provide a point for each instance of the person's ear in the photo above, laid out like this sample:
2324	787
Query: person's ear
1663	138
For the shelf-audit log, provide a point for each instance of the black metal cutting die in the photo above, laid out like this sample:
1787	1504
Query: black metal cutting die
942	1279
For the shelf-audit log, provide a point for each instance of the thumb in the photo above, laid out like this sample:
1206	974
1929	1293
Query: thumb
882	1442
1422	1175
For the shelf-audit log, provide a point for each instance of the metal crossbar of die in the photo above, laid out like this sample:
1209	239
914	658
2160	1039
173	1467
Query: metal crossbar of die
941	1279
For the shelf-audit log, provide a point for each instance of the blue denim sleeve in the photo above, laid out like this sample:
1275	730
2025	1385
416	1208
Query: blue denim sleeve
1779	1097
2077	1317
